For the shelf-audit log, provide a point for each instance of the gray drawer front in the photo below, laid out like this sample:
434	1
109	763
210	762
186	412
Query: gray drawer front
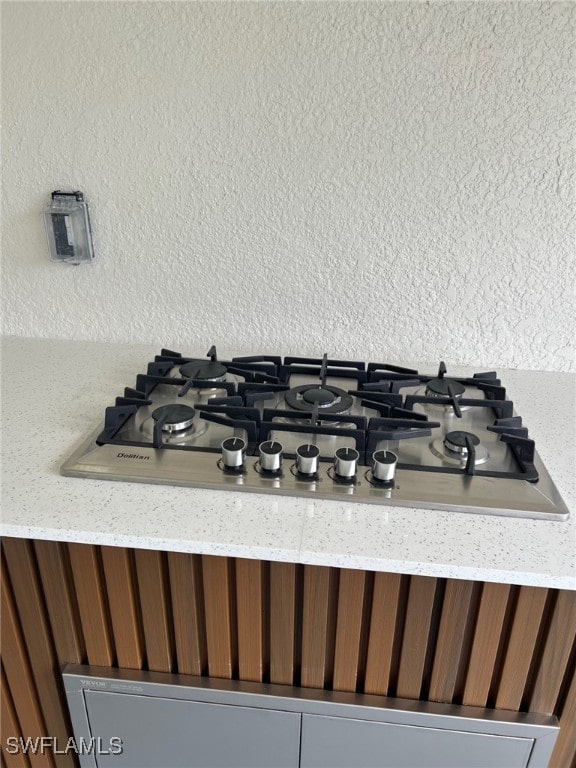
171	733
179	721
344	743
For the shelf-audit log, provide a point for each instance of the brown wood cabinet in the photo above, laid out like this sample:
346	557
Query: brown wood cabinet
416	637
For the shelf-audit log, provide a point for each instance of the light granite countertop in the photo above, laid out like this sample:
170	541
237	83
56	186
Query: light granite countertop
54	394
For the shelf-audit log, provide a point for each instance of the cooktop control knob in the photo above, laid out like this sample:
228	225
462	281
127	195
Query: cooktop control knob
384	466
307	458
346	462
233	452
270	456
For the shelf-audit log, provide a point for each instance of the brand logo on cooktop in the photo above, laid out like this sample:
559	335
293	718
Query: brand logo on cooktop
132	456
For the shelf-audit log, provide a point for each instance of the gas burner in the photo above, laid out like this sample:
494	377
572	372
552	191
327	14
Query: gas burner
329	400
323	397
174	417
454	450
458	392
456	441
204	370
441	388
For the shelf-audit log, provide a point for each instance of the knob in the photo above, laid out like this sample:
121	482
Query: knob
307	457
345	462
233	451
384	465
270	455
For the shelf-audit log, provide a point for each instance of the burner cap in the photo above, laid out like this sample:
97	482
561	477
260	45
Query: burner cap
456	441
207	370
329	399
175	417
321	396
439	388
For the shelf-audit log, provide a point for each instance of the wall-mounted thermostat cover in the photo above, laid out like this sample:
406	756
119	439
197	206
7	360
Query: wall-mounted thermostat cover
68	228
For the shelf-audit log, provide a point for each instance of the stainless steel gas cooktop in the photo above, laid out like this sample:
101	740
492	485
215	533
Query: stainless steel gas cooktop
332	429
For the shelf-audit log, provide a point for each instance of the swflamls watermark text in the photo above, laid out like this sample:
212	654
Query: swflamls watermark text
40	745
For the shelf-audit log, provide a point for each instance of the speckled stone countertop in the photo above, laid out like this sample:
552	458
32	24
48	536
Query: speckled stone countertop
54	394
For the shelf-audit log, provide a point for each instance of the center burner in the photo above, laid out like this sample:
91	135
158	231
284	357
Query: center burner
174	417
205	370
330	400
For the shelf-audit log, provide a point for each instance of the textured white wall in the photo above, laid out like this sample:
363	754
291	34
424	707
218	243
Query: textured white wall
376	180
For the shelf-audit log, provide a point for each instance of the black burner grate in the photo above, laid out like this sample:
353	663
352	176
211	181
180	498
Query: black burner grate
242	403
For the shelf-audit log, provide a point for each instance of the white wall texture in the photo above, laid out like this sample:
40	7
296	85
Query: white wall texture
384	180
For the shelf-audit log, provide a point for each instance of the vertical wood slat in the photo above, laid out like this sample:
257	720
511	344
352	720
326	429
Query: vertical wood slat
521	646
564	754
383	618
317	619
155	609
21	565
91	595
218	601
10	727
282	623
251	617
351	591
453	635
555	655
60	596
122	601
188	612
485	643
416	635
19	675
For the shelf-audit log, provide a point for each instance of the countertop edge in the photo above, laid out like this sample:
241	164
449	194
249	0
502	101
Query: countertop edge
302	557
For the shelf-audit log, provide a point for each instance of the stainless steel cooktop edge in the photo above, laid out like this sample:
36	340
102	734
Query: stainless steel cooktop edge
411	488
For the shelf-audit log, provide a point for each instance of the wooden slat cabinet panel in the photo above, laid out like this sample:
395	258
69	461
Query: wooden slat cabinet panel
452	643
20	676
285	621
61	603
21	566
123	601
350	625
92	603
456	641
559	643
251	617
521	647
152	575
485	643
217	576
384	621
10	729
564	755
188	612
416	638
318	618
